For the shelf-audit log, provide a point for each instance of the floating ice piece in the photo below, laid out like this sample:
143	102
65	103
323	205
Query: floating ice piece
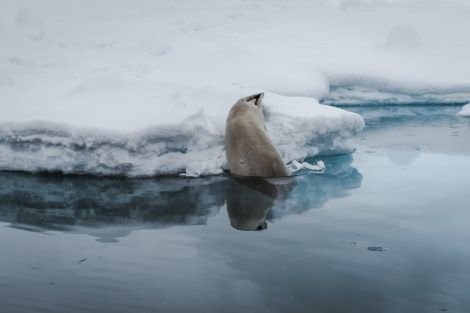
377	249
295	167
465	110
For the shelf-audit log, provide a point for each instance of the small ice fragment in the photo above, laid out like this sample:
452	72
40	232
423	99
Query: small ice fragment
379	249
465	110
296	166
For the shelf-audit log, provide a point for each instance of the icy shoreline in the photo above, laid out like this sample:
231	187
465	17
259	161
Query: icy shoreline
143	88
193	147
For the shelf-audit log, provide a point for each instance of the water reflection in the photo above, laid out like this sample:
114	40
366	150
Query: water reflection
403	156
250	200
58	202
54	202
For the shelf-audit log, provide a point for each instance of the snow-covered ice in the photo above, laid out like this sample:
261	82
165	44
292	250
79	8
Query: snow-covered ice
143	87
296	167
192	147
465	110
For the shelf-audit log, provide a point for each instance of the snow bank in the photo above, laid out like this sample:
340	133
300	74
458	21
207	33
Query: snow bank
301	127
143	87
465	110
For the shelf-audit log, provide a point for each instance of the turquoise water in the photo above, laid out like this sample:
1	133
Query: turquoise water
382	230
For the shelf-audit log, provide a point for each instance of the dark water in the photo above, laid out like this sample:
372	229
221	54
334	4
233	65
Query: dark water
385	229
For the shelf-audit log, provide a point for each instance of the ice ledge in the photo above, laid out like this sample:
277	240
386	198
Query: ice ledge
365	90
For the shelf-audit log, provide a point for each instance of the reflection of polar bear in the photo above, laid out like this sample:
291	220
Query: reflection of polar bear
248	148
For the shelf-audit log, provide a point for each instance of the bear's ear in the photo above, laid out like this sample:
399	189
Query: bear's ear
256	98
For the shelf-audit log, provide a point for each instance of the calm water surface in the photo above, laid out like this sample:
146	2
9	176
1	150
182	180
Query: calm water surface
385	229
